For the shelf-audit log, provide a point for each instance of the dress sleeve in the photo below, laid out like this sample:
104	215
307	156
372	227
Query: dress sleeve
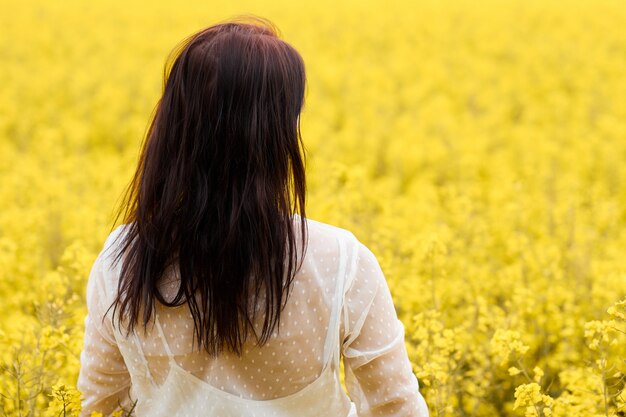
378	373
103	378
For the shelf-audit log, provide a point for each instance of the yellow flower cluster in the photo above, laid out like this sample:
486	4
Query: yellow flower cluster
476	147
65	401
507	344
535	403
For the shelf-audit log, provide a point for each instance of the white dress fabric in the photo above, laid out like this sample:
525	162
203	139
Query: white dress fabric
339	306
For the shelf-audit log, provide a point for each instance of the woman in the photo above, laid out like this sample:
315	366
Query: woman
217	296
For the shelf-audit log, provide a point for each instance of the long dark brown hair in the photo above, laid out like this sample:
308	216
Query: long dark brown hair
220	179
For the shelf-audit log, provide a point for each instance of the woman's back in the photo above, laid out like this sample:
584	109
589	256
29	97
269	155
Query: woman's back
212	249
339	302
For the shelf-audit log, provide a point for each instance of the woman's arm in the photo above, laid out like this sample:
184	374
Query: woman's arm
103	379
379	377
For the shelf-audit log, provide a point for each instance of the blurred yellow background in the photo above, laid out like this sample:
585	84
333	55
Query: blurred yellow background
477	147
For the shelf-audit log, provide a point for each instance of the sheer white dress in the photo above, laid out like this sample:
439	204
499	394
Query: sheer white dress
339	307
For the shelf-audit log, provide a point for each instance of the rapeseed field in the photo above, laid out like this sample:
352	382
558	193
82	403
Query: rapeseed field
478	148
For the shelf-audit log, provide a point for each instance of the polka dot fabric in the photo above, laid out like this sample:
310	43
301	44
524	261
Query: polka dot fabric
339	306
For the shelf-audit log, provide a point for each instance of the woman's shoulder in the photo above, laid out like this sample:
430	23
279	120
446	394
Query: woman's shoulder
321	230
319	234
111	244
